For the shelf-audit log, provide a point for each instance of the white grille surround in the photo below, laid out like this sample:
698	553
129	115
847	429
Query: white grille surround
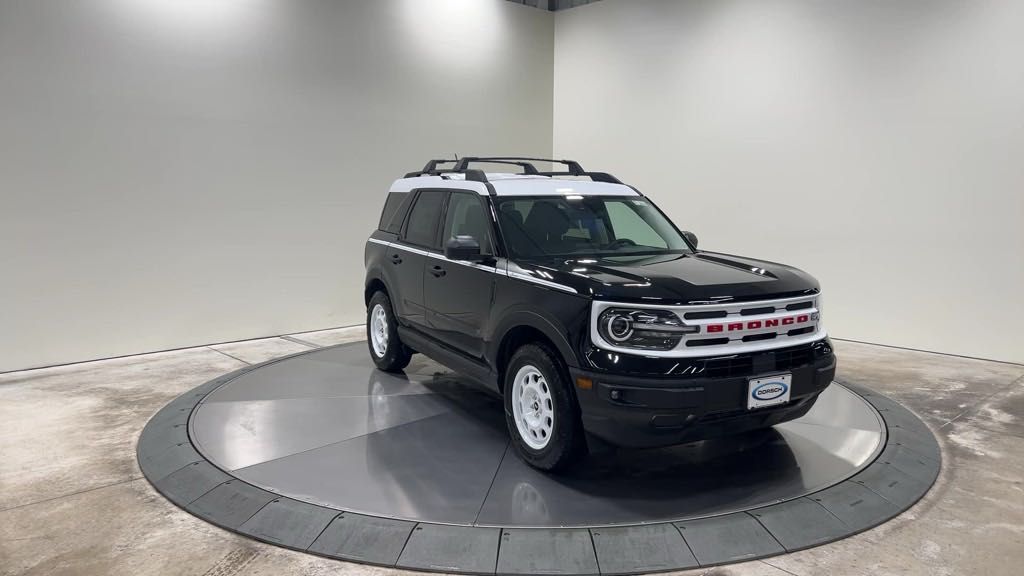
740	326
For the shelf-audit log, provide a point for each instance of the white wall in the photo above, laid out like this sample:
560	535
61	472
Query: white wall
879	145
180	172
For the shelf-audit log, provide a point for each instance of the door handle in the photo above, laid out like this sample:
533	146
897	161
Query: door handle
437	271
396	259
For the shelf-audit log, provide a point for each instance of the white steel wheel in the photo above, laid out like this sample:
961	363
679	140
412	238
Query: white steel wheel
379	330
532	407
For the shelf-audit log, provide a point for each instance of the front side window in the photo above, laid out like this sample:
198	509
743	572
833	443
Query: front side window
421	229
576	227
466	217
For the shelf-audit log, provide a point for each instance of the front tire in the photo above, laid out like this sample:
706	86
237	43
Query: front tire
386	348
540	410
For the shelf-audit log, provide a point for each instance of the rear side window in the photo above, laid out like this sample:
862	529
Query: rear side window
422	226
394	212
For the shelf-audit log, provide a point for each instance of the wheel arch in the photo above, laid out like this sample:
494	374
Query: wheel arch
373	285
523	328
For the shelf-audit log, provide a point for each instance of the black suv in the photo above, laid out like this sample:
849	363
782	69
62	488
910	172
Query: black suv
574	297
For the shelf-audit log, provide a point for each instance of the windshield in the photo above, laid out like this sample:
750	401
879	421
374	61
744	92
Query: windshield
575	226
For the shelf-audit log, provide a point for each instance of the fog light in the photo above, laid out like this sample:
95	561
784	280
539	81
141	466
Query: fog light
616	394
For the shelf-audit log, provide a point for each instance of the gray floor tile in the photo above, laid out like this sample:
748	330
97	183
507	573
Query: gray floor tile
857	506
190	482
451	549
800	523
230	504
636	549
289	522
364	539
730	538
546	551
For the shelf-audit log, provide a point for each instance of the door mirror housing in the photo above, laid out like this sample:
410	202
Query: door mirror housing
463	248
691	238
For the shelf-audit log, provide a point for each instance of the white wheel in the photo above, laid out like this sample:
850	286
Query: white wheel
379	330
532	407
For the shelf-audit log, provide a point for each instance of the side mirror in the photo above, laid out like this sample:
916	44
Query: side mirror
691	238
463	248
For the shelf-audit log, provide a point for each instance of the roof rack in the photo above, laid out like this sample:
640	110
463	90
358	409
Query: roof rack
431	169
461	166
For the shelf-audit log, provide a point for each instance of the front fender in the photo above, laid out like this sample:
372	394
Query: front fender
557	329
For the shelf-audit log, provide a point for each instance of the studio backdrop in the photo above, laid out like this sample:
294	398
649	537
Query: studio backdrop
178	173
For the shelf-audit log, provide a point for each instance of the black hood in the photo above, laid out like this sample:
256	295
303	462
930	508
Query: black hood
691	278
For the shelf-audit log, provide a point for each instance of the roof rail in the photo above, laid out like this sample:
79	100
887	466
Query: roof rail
461	166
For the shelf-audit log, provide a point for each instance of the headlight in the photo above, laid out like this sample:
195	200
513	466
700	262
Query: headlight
642	329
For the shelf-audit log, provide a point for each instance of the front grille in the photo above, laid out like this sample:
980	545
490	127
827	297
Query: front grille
720	328
740	326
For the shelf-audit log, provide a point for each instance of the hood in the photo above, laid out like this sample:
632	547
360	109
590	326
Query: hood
691	278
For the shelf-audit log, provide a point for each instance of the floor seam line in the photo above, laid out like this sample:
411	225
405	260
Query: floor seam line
778	568
297	341
194	500
229	356
406	544
276	497
85	491
234	470
491	485
976	408
688	547
758	520
593	545
326	526
823	507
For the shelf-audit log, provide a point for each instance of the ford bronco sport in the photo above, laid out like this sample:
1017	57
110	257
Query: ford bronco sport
575	298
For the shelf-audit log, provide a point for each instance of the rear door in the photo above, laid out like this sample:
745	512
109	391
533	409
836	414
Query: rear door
459	294
409	256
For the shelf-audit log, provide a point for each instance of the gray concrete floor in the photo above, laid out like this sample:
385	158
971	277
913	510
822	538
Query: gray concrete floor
72	499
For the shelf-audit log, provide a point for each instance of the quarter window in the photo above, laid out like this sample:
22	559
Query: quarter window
394	212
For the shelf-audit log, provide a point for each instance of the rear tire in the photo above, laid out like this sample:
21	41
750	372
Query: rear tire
540	409
386	348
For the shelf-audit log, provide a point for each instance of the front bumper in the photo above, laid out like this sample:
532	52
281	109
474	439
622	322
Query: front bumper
652	411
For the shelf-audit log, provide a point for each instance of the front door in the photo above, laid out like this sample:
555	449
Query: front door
458	294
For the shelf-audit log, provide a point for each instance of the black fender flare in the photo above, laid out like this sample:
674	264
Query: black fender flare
548	326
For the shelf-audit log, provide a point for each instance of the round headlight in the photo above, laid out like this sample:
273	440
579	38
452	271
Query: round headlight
620	327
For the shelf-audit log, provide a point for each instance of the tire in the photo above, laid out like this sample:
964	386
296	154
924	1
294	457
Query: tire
544	420
386	348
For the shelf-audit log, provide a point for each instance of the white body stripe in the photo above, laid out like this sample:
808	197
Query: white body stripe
501	268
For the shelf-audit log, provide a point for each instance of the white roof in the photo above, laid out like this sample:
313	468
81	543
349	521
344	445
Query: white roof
516	185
